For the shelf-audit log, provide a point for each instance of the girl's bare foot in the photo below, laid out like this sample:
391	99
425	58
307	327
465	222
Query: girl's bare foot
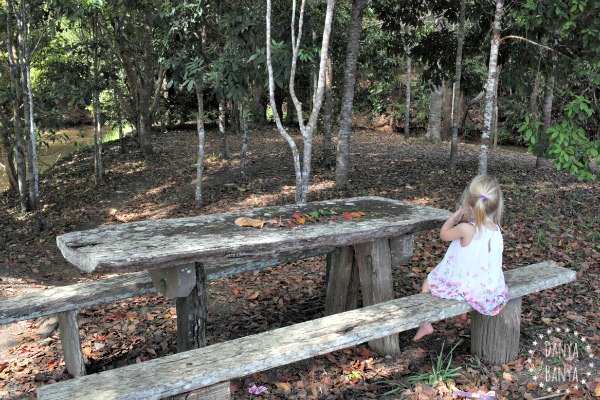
424	330
460	319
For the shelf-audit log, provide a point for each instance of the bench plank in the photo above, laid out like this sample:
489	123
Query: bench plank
194	369
80	295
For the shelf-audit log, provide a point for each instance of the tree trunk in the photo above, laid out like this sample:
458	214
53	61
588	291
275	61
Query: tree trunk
244	126
435	116
446	132
201	136
407	103
223	153
119	120
98	167
258	109
7	160
140	76
34	192
490	88
328	155
456	87
20	149
352	50
495	117
302	169
541	146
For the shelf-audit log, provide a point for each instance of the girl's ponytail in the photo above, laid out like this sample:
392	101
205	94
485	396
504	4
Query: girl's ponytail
484	196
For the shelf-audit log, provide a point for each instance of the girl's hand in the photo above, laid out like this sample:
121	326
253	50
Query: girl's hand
457	216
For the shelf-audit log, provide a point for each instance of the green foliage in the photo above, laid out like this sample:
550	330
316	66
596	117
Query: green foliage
568	144
440	370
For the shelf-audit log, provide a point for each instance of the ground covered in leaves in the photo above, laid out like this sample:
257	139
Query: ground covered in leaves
549	216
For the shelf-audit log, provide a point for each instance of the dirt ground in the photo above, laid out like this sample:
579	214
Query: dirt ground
550	216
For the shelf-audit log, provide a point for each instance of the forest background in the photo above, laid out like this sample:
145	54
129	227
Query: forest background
203	75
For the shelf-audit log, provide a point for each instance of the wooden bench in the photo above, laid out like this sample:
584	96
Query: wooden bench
213	366
64	301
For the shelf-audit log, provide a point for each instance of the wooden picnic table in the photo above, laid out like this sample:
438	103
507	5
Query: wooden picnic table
175	250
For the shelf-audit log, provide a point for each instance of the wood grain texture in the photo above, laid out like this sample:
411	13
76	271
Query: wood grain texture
342	284
173	242
71	343
496	339
179	373
374	262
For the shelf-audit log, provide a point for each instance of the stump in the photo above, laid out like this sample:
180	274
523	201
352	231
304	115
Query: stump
496	339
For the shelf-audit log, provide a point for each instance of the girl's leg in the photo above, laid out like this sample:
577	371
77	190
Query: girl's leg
426	329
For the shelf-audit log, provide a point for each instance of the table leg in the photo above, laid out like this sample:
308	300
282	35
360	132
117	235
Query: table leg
341	281
374	262
192	312
402	249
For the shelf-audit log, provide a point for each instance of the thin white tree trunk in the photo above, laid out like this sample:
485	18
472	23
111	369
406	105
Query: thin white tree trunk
490	88
495	115
201	137
24	37
302	169
20	148
456	87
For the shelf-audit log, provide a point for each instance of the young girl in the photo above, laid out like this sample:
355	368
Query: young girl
471	269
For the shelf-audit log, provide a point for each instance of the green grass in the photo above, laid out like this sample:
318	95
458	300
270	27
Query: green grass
441	370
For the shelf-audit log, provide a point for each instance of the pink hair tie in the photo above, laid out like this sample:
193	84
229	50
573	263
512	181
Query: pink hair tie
483	197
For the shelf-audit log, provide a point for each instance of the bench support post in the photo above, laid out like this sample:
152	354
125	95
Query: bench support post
374	262
191	315
341	281
496	339
71	344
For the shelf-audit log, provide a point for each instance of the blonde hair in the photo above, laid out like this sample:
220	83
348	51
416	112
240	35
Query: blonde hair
484	196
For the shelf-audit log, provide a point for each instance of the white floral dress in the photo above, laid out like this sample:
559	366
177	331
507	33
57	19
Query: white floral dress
473	273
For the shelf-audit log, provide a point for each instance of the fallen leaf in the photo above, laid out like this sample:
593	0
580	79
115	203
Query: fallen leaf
298	218
245	221
314	214
311	219
507	376
253	296
597	390
346	215
357	214
284	386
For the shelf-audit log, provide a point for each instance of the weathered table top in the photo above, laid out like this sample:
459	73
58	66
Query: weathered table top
175	242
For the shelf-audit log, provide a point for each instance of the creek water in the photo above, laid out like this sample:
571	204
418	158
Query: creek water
71	140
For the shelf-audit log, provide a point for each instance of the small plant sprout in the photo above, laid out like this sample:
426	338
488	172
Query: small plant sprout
440	370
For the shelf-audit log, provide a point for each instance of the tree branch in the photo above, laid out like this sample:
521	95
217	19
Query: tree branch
535	44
